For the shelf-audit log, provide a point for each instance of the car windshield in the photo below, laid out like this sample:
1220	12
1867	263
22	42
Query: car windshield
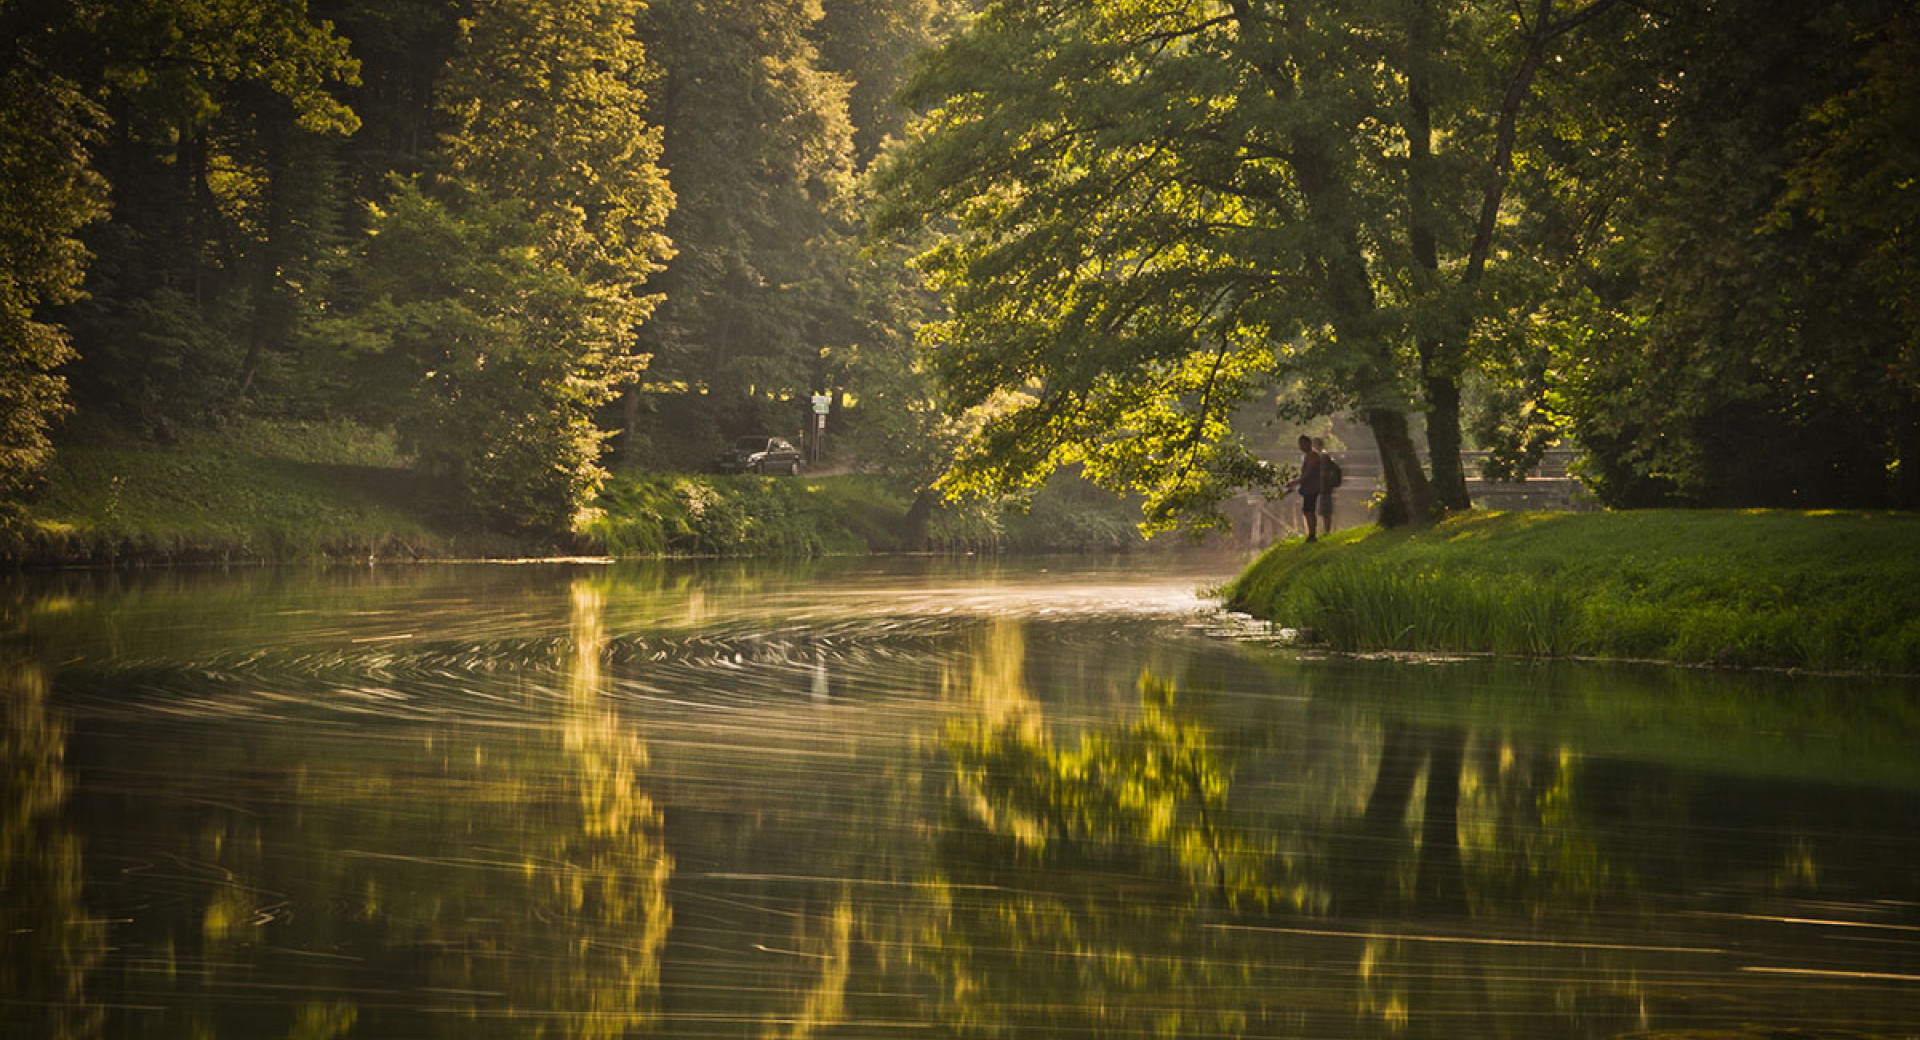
750	444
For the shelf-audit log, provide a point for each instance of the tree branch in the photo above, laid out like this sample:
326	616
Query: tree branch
1545	32
1577	19
1170	35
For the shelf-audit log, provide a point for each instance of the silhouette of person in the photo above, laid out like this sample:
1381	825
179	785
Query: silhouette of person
1326	492
1308	484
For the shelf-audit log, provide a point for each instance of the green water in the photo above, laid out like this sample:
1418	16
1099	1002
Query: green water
910	798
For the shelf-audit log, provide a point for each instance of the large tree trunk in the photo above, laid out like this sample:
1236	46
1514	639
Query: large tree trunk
1410	498
913	530
1441	355
1347	289
1443	443
268	323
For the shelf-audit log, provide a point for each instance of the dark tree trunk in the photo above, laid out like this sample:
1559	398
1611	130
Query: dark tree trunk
1369	860
268	323
913	530
633	437
1443	443
1410	498
1440	355
1400	754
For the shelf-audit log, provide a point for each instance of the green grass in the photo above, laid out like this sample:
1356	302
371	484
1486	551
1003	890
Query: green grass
1821	591
288	491
262	491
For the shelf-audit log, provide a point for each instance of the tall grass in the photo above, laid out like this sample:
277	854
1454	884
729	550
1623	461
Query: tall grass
1830	591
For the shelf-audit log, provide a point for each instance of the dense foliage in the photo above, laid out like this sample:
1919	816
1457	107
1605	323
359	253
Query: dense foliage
1655	230
520	233
1737	324
477	224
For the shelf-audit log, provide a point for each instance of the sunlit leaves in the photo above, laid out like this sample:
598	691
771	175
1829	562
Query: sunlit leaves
179	59
1154	212
507	290
48	191
549	102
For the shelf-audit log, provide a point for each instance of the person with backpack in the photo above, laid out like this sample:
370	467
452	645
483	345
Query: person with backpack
1308	484
1330	477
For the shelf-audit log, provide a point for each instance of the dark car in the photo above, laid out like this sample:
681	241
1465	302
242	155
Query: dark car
760	455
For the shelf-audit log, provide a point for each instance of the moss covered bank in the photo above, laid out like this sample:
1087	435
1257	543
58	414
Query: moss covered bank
1821	591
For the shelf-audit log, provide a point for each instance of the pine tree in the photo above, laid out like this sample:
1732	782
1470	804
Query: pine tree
506	289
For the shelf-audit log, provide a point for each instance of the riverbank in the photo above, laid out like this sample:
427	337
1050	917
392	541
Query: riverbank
286	492
1829	591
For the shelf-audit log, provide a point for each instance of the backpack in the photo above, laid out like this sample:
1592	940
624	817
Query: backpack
1329	471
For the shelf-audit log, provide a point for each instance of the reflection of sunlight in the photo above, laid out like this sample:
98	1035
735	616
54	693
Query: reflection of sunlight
329	1021
1066	856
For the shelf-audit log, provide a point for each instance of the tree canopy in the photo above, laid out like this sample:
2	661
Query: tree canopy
521	232
1160	210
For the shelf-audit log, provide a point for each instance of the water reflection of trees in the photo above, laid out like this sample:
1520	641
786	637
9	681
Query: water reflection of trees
1063	871
49	944
1114	882
565	925
1073	880
454	879
1329	850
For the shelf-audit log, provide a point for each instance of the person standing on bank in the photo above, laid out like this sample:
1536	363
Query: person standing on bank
1326	485
1308	484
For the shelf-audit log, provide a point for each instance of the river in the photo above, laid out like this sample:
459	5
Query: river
911	798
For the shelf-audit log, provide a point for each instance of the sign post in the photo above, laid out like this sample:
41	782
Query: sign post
822	403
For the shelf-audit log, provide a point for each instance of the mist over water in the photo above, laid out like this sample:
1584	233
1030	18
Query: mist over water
910	797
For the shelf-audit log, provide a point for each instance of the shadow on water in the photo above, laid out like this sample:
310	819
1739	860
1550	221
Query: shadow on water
879	798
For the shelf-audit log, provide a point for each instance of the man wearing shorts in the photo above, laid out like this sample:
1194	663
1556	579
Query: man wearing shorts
1308	484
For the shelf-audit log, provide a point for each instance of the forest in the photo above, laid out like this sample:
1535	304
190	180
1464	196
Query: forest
535	240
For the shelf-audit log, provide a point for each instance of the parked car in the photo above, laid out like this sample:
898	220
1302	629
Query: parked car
760	455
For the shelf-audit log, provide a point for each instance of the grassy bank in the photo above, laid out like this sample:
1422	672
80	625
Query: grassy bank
1827	591
295	491
253	493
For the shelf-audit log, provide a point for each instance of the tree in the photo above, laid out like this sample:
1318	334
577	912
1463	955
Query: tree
1737	336
505	291
48	192
1161	209
1854	183
873	45
222	205
760	149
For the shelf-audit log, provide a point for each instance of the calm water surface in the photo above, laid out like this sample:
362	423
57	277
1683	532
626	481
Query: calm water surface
910	798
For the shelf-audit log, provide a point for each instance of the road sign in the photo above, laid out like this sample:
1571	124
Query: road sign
822	403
